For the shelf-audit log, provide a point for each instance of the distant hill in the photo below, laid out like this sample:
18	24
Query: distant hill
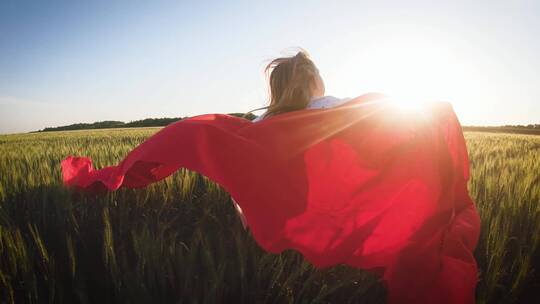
533	129
108	124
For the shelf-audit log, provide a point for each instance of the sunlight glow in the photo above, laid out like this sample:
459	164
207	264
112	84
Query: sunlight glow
408	104
412	70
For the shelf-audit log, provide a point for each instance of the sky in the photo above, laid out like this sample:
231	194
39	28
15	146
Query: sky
64	62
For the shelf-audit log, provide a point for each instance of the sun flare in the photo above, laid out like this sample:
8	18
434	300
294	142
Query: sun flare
412	71
408	103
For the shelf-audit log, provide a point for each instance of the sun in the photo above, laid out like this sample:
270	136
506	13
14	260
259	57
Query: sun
415	73
412	71
411	103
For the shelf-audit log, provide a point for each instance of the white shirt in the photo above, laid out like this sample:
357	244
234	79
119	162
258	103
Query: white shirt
317	103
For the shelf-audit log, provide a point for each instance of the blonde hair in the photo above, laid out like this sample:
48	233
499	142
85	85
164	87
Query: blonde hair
291	82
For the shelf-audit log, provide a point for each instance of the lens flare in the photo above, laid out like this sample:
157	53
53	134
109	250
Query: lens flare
408	103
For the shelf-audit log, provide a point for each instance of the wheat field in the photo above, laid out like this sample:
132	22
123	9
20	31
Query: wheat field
180	241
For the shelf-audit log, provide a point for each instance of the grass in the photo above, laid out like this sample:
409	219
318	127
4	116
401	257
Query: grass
180	241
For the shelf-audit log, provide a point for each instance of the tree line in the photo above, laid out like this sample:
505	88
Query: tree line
110	124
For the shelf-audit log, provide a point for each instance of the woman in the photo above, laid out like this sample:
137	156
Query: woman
294	84
358	184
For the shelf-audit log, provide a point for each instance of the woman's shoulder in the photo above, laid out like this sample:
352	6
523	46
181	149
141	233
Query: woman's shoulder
316	103
326	102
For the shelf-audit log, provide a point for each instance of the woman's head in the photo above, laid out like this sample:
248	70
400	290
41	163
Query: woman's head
292	81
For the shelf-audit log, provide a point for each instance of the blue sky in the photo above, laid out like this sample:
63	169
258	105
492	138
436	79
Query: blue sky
64	62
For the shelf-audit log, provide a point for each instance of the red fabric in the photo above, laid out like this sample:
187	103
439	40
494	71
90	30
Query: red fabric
361	184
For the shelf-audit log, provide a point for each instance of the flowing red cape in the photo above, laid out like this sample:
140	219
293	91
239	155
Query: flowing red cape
361	184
